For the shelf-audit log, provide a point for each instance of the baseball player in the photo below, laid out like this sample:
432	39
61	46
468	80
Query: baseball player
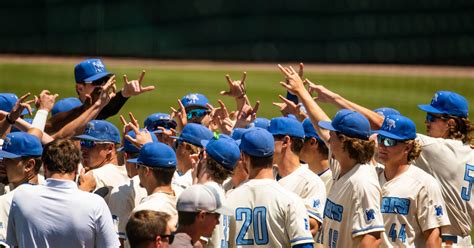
265	214
412	206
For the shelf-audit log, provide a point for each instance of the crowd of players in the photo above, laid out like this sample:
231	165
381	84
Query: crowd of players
204	176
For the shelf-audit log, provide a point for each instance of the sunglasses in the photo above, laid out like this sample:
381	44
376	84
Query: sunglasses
170	237
100	81
385	141
432	118
197	113
91	143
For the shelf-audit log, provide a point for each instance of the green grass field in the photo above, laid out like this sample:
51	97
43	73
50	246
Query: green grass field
373	91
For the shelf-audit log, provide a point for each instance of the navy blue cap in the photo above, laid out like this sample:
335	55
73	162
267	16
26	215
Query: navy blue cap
350	123
90	70
238	132
309	130
153	121
194	99
131	148
447	102
260	122
102	131
223	149
194	133
20	144
156	154
385	111
286	126
65	105
398	127
257	142
8	101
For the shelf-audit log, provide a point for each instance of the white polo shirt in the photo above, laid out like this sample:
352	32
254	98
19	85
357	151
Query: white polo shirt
58	214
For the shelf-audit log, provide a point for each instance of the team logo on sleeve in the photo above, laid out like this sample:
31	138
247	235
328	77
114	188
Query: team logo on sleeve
369	215
306	224
316	203
438	210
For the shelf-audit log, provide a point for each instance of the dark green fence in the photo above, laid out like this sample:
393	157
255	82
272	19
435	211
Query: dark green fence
346	31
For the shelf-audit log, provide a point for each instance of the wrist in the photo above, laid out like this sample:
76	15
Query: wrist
9	120
125	95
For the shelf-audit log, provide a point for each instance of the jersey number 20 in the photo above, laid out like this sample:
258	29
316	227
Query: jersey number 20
257	217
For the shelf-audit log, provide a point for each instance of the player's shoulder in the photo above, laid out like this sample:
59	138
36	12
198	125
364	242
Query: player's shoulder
365	178
422	177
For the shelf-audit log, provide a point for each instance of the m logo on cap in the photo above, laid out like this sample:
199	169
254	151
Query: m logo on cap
391	124
6	143
435	98
192	98
99	67
90	127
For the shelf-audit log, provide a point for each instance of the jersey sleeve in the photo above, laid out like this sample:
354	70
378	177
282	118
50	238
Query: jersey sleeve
297	223
431	210
11	229
121	204
105	235
315	200
366	216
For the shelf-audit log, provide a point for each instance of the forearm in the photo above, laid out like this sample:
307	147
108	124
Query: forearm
4	127
56	122
241	101
433	238
113	107
77	126
370	240
26	127
375	119
315	113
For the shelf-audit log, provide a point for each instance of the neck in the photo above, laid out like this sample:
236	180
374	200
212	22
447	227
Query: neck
288	164
31	179
159	188
318	164
190	230
393	170
183	167
63	176
346	165
263	173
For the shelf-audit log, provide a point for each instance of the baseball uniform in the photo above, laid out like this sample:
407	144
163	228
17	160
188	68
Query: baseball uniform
110	176
162	202
5	204
267	215
451	163
411	204
352	207
220	235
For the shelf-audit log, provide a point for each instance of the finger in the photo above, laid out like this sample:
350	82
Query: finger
132	140
224	108
244	77
28	107
30	101
133	119
292	70
224	93
279	105
124	122
287	86
285	100
174	110
125	78
283	70
134	128
147	88
140	78
209	106
181	106
55	96
300	71
255	109
229	80
22	98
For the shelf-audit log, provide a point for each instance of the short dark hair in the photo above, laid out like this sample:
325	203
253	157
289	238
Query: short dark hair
218	172
260	162
322	147
145	225
163	176
296	145
38	163
61	156
186	218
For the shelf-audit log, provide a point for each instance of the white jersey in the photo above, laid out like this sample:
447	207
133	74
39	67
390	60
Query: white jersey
352	207
310	188
110	176
267	215
220	235
161	202
451	163
123	200
326	177
5	204
411	204
184	181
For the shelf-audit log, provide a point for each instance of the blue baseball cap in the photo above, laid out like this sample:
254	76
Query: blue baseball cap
153	121
350	123
100	130
194	99
131	148
21	144
398	127
156	154
260	122
65	105
237	133
223	149
286	126
309	130
447	102
385	111
90	70
257	142
8	101
194	133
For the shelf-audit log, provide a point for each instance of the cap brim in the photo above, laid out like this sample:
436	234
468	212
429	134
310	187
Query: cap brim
388	135
224	210
133	160
88	137
429	109
4	154
97	76
204	143
326	125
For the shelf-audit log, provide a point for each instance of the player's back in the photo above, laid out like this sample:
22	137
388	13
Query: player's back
267	215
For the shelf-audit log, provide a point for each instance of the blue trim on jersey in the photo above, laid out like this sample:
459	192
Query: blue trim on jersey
318	216
305	245
301	238
368	228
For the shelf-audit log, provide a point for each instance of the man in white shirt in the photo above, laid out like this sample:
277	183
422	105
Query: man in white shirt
61	213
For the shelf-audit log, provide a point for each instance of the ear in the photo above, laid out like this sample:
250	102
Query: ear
79	87
30	165
158	241
451	123
313	141
286	139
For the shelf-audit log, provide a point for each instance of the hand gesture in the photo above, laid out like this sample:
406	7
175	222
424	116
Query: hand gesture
106	93
323	94
141	136
181	116
220	117
45	101
236	88
246	115
288	107
293	82
19	106
134	87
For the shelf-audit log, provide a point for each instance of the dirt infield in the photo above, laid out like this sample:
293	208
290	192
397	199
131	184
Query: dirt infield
373	69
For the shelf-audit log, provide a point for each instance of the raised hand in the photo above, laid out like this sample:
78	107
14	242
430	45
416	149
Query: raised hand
293	82
221	119
236	88
141	136
19	106
288	107
45	101
134	87
246	115
180	115
106	93
323	94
